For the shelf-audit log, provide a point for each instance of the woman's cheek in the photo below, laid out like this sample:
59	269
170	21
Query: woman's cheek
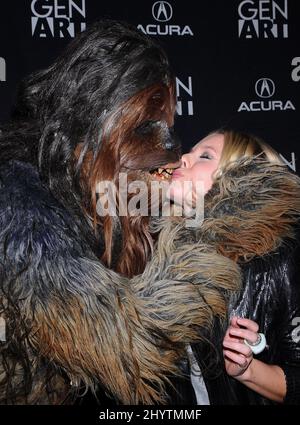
203	179
176	190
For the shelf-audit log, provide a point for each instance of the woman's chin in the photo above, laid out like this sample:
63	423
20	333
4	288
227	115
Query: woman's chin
175	191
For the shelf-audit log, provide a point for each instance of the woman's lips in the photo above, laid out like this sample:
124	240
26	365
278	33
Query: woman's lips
176	174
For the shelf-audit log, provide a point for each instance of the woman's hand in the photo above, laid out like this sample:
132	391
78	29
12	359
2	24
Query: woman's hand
267	380
237	355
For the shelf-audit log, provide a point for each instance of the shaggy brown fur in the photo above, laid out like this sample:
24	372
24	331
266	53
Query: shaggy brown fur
259	202
134	152
135	353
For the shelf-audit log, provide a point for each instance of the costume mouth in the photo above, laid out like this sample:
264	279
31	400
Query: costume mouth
162	173
156	166
165	171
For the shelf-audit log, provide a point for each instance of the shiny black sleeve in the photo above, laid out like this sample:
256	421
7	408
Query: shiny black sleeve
290	342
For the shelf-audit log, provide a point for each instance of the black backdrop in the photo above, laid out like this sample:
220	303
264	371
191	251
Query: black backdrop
237	61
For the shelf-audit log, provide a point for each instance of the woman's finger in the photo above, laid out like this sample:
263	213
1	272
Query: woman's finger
249	324
233	322
239	347
236	358
244	334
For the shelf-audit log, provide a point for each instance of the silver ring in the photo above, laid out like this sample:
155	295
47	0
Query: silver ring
253	344
259	345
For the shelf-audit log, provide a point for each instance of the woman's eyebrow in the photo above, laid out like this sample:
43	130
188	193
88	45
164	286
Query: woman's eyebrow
205	147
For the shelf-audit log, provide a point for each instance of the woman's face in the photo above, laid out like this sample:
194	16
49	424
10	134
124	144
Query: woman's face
197	165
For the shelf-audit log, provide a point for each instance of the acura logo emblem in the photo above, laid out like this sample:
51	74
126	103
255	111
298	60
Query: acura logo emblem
162	11
264	87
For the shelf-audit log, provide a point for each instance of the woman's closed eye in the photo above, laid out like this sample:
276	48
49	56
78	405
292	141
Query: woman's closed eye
205	155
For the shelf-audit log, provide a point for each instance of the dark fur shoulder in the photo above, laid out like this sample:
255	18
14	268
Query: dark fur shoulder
31	219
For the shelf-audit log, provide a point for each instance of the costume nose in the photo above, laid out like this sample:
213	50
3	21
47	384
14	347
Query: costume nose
172	142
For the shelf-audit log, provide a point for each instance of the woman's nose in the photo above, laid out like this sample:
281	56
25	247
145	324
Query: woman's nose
185	161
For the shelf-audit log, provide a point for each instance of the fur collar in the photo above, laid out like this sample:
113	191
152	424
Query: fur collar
252	208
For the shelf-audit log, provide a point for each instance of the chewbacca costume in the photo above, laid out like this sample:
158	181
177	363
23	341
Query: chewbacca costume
105	106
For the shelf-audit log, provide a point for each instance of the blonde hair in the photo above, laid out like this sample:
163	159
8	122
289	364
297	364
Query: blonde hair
239	145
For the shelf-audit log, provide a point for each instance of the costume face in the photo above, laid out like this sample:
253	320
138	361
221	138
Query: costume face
149	145
106	108
198	165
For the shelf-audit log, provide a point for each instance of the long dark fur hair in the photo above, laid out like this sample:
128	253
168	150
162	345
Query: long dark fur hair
106	105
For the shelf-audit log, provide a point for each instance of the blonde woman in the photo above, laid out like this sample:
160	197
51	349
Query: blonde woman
252	206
